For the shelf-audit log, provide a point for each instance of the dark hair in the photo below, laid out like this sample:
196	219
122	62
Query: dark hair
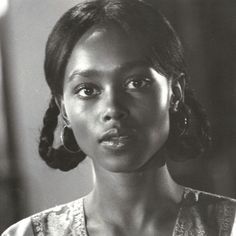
164	51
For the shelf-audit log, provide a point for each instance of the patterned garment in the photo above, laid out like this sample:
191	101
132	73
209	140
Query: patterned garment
200	214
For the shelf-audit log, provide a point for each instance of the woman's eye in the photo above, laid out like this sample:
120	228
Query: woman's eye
87	91
138	83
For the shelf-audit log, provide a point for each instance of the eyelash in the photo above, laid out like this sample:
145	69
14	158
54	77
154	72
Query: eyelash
94	90
86	87
145	80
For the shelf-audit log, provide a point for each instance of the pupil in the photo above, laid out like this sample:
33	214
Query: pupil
137	83
88	91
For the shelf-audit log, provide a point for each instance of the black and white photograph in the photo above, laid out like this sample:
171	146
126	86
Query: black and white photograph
118	118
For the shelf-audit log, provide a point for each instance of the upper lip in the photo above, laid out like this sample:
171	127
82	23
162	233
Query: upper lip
115	133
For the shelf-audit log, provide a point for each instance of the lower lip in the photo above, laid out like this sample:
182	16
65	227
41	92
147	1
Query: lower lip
116	144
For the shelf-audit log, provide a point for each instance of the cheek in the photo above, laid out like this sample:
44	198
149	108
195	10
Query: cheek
82	123
153	109
154	118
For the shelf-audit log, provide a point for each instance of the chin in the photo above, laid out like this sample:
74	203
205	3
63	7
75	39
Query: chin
125	164
133	159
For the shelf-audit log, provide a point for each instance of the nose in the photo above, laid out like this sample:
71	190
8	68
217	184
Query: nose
114	114
114	108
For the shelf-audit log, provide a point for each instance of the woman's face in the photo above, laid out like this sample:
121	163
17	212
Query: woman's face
116	103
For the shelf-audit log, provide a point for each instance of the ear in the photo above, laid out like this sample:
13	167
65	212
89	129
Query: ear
177	87
61	107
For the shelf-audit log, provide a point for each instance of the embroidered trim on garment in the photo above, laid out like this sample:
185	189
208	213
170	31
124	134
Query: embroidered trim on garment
80	227
200	214
64	220
37	225
200	209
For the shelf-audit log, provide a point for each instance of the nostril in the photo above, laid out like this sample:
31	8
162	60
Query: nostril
117	115
121	115
107	118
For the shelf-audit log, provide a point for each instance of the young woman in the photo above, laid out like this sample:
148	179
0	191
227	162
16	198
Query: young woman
118	80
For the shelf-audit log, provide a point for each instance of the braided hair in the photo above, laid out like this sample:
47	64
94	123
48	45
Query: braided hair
55	158
196	137
164	51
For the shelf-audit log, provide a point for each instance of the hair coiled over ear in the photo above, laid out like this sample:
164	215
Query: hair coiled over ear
58	158
197	138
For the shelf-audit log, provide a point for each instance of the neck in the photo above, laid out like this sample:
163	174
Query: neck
138	193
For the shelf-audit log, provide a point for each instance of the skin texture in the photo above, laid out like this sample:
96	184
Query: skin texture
100	62
109	87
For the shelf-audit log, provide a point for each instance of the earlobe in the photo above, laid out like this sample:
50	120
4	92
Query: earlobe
61	106
58	102
181	80
178	86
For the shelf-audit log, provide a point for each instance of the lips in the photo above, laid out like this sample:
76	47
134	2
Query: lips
116	139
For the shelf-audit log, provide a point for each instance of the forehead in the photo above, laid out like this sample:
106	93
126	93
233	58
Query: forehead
105	47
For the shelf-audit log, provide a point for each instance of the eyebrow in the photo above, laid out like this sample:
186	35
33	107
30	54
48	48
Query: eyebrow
89	73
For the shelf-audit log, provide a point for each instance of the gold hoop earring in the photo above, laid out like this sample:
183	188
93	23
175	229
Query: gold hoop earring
68	140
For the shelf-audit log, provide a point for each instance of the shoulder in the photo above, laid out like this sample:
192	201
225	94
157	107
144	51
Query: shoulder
210	200
23	227
59	220
213	213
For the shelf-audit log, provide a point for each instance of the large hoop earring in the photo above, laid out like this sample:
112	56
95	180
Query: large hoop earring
179	119
68	140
